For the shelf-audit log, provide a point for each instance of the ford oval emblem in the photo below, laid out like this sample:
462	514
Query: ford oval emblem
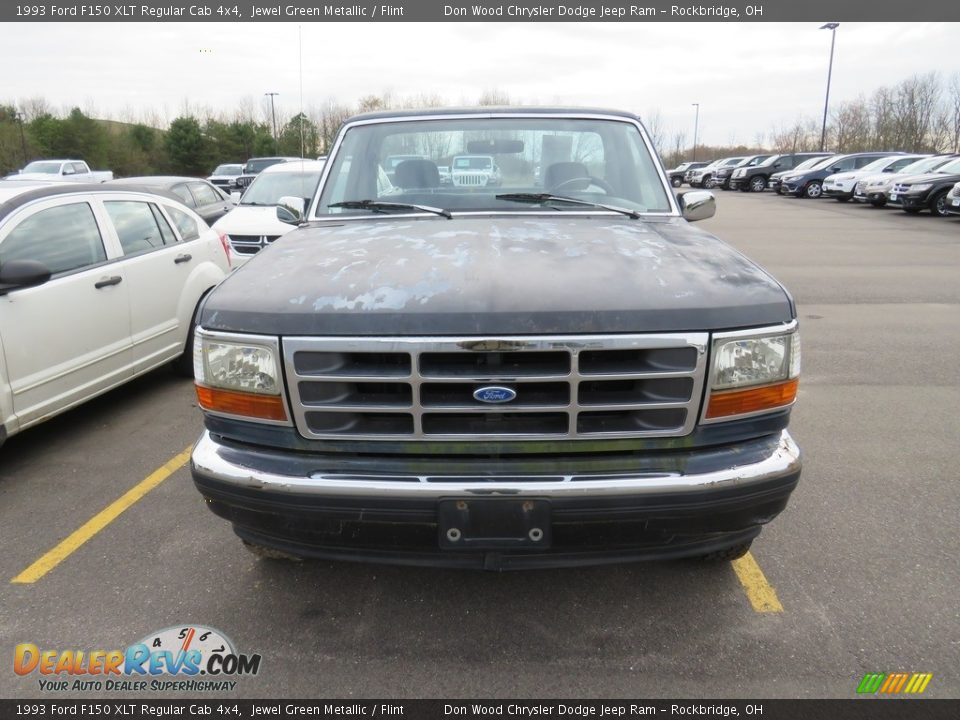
494	394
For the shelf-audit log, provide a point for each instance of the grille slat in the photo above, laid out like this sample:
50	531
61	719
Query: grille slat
566	387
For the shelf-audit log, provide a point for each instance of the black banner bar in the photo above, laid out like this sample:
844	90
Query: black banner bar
854	709
480	11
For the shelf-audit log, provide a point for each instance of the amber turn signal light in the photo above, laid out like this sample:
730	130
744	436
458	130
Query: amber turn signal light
263	407
751	400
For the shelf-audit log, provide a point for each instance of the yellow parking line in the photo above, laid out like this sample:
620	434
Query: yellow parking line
759	591
98	522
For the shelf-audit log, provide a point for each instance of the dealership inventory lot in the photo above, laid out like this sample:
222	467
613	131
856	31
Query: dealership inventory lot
863	560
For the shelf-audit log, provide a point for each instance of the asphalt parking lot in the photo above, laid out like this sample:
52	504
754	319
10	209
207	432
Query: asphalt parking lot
860	574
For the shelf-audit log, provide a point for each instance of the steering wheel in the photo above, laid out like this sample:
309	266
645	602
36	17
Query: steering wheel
586	182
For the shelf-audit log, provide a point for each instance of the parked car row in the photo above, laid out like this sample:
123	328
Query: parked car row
909	181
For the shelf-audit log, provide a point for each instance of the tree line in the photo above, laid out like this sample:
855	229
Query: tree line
918	114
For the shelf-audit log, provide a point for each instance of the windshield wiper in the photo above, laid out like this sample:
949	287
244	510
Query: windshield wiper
380	206
545	198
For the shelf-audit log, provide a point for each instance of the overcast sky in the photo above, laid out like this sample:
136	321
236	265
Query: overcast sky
747	77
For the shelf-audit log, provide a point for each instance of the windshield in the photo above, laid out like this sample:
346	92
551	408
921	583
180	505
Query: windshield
877	165
925	165
594	160
254	166
472	163
268	188
47	168
770	160
951	167
825	162
228	170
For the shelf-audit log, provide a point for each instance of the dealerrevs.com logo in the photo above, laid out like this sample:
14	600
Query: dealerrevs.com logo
186	658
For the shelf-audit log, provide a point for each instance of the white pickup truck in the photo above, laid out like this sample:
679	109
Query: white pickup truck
70	170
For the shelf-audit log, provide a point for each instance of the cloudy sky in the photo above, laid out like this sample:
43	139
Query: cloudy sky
747	77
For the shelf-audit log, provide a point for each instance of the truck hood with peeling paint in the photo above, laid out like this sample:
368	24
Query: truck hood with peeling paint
496	275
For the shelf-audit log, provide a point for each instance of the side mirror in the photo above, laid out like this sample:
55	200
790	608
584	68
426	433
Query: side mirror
888	169
291	210
19	274
697	205
68	171
835	168
776	164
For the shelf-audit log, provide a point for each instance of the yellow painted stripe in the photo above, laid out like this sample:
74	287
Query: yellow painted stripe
914	681
923	685
760	592
98	522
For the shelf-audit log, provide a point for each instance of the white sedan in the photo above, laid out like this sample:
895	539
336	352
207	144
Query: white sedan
97	286
841	186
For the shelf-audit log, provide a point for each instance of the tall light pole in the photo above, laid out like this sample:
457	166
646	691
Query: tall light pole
273	115
832	27
696	126
23	140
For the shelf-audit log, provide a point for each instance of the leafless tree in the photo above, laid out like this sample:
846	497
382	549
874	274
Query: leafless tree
653	121
493	96
34	107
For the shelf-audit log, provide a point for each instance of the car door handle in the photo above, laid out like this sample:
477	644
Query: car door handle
105	281
186	257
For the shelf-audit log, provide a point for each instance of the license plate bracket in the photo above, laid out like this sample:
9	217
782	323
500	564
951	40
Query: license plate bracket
494	523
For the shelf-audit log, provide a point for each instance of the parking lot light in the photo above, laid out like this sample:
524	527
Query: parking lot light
832	27
696	125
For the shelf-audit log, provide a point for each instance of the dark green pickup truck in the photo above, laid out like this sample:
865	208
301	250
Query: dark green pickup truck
559	370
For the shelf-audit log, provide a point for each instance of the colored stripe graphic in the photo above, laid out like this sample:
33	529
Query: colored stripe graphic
894	683
871	682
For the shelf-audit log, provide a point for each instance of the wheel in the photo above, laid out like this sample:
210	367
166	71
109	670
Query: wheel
183	365
269	553
813	189
591	180
708	183
734	552
676	182
938	204
758	183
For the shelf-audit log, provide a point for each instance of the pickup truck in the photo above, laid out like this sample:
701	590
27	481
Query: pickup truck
70	170
558	371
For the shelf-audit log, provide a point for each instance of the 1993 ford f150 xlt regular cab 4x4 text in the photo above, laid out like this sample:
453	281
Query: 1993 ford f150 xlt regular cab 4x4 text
553	371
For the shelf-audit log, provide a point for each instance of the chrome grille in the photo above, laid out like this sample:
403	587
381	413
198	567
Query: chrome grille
585	386
250	244
956	191
243	181
901	188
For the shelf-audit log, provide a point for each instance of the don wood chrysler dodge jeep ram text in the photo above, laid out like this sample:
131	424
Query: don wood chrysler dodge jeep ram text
557	370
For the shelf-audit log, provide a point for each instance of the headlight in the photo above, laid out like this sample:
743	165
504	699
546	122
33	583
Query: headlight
239	376
752	373
921	187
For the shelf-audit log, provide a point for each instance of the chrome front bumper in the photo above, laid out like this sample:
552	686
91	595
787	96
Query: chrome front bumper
228	466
